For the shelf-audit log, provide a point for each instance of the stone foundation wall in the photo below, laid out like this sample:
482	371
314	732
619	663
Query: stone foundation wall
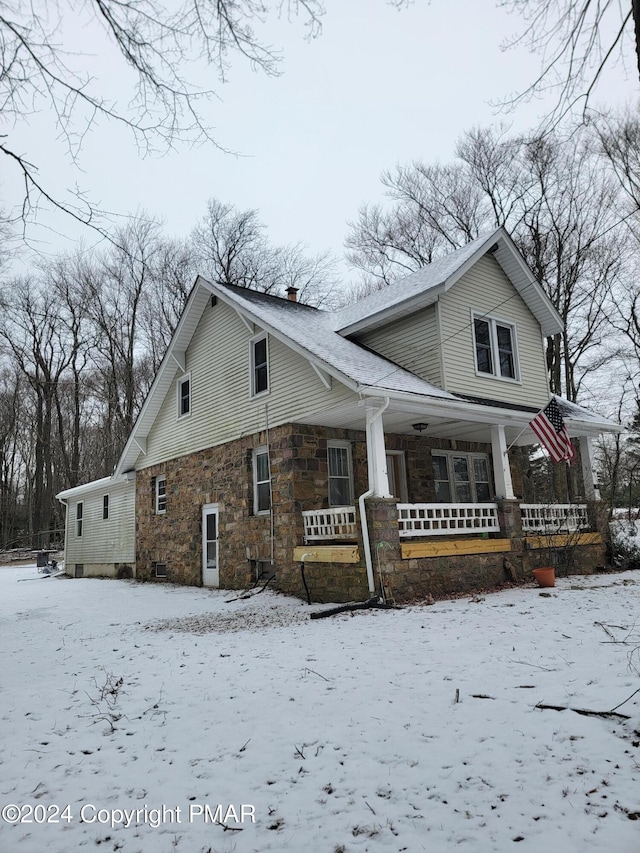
298	454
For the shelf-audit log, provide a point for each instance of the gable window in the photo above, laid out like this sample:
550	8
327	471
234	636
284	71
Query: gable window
340	473
461	477
259	365
495	348
261	481
184	395
160	495
79	517
105	507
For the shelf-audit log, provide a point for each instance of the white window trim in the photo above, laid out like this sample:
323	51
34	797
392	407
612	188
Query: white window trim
470	456
493	334
108	515
79	520
347	445
252	379
258	451
186	377
401	463
161	479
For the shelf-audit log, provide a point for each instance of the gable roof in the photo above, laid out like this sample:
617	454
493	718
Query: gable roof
423	287
321	336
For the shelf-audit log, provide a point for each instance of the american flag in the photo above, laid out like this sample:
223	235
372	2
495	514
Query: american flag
549	426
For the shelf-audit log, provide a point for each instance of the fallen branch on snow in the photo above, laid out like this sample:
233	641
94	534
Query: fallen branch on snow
583	711
372	603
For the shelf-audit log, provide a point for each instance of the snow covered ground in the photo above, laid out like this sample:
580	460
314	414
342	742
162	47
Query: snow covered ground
342	734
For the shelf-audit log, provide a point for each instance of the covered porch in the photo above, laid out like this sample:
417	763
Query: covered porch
456	493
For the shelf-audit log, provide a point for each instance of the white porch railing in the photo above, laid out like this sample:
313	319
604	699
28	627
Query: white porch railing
442	519
337	522
554	518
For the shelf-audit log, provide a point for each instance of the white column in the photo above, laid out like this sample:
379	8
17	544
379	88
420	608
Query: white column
501	467
376	451
589	475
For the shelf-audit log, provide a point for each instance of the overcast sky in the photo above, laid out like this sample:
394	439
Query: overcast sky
378	87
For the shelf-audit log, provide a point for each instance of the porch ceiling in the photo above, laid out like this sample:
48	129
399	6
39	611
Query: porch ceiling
466	421
400	417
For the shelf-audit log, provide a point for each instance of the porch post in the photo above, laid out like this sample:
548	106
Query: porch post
589	475
376	452
501	467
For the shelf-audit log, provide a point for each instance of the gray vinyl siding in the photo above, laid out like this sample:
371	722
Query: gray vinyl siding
411	342
218	360
109	540
485	288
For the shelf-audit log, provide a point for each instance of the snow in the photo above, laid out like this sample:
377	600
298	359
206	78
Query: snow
342	734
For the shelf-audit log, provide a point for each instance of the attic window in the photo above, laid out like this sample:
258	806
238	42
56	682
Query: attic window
495	348
259	365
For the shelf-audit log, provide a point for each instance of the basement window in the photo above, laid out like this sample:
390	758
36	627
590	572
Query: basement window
78	570
160	570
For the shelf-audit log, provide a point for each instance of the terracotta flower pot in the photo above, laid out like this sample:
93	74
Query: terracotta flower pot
545	576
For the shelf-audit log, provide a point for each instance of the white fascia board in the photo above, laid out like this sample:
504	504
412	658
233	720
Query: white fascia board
395	312
553	325
102	485
178	344
281	336
451	407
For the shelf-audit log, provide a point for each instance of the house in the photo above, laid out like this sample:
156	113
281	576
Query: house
375	445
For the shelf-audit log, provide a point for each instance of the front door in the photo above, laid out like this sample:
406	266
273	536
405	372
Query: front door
210	571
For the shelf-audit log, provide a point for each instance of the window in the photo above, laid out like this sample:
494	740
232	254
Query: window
340	473
160	495
495	347
105	507
259	366
79	515
461	477
184	395
261	481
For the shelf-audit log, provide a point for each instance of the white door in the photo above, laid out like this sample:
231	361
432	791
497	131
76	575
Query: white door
210	571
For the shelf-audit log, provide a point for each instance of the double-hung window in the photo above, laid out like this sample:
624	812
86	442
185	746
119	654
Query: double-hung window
340	473
495	348
161	495
259	365
261	481
184	395
79	517
461	477
105	507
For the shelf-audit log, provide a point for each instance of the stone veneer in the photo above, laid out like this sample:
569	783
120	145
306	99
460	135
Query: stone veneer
224	475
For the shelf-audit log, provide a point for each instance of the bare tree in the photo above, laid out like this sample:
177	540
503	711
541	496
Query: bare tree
161	45
557	201
231	247
33	336
578	41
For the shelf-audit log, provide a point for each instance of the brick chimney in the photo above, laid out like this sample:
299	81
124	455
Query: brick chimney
292	294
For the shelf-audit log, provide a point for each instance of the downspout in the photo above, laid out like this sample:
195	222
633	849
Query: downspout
363	516
271	518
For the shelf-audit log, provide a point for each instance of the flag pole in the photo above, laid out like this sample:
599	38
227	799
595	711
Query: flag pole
516	438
